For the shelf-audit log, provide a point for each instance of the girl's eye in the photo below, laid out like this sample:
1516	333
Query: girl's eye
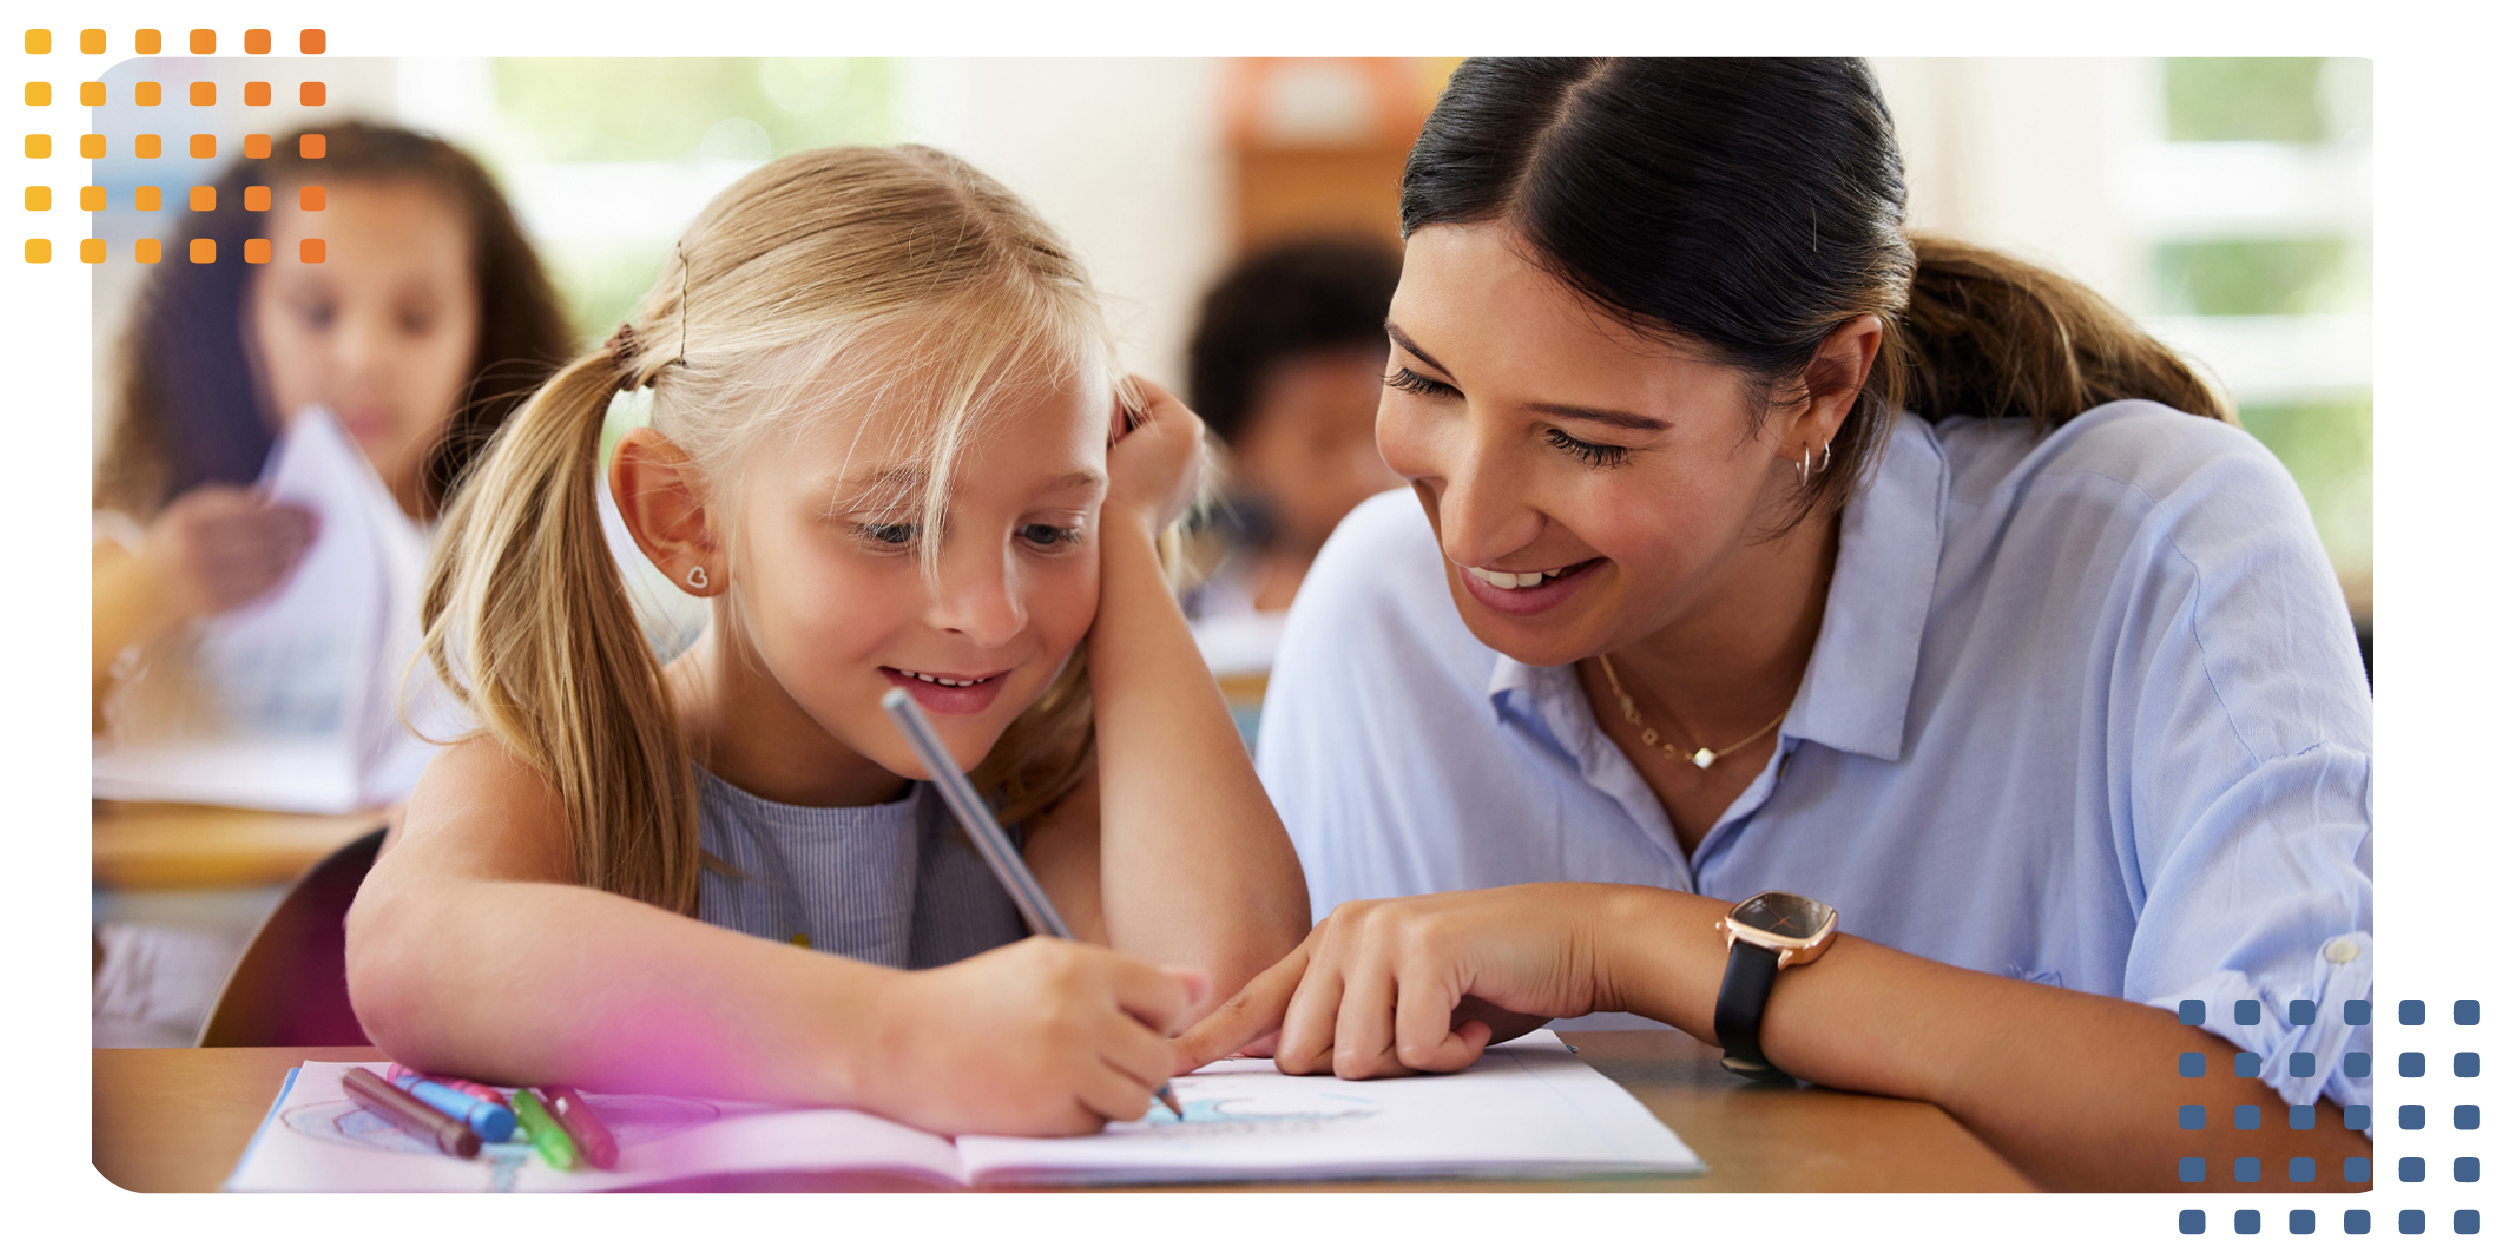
1417	384
1603	455
416	325
318	316
1051	536
888	533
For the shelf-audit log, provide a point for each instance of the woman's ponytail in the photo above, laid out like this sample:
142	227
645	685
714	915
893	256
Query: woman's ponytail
527	623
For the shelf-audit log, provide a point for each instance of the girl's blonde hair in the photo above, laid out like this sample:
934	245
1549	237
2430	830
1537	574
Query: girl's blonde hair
846	279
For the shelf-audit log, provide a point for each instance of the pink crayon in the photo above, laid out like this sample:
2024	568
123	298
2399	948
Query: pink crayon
471	1088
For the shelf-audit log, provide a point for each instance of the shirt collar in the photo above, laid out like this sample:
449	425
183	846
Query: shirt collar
1856	694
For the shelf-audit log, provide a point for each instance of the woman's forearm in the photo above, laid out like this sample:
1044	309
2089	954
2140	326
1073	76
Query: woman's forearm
2079	1090
1196	869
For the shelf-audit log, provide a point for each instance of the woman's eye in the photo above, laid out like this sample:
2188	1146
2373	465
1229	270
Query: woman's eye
1051	535
888	533
1603	455
1417	384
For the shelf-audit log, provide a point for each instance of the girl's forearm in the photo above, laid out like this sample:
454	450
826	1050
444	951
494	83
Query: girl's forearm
2078	1090
534	983
1196	869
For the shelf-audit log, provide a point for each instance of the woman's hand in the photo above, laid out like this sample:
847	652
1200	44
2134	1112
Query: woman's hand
1039	1038
219	547
1155	464
1422	984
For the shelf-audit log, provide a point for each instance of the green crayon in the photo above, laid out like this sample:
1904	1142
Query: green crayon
553	1145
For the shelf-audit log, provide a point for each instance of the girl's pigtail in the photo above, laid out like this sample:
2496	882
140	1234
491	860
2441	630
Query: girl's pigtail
528	624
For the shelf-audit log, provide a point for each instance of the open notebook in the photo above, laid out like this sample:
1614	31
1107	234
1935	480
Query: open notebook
1528	1108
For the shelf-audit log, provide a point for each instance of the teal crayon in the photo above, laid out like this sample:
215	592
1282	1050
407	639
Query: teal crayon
490	1121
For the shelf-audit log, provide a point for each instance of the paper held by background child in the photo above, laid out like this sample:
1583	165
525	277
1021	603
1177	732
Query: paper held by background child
292	702
1529	1108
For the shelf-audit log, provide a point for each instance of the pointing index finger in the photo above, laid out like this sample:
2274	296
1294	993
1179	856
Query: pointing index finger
1259	1008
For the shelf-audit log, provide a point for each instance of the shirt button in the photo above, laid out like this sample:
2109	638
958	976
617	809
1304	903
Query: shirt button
2342	951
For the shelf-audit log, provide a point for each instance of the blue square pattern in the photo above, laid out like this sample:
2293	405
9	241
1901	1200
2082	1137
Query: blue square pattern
2304	1117
2304	1012
2191	1170
2303	1170
2356	1011
2244	1011
2409	1168
2244	1170
2191	1063
2409	1116
2304	1064
2357	1064
2243	1117
2191	1116
2469	1223
2245	1064
2469	1169
2409	1011
2469	1116
2409	1063
2469	1011
2469	1063
2303	1222
2356	1168
2357	1117
2191	1222
2243	1222
2192	1011
2409	1221
2356	1222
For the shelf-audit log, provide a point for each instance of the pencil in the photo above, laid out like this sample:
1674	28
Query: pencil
987	837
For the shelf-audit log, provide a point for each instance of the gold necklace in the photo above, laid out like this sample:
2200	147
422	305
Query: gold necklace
1702	758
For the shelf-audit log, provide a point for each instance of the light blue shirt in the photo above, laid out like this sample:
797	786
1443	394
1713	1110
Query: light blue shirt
2085	710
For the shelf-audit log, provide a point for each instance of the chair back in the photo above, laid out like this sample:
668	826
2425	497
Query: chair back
290	987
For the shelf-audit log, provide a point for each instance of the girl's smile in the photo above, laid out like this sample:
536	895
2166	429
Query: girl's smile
948	693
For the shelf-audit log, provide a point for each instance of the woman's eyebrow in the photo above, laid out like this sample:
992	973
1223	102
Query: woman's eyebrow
1399	337
1615	417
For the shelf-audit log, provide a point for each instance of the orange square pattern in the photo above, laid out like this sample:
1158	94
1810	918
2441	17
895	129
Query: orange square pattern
38	199
203	199
256	251
91	251
38	251
91	94
203	147
256	41
91	42
256	147
256	94
203	95
147	95
91	147
312	147
90	199
38	147
255	199
38	94
311	199
203	251
147	251
38	43
312	42
309	251
147	147
203	42
147	42
147	199
312	95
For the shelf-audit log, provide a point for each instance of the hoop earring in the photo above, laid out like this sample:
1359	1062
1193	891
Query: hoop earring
697	579
1805	467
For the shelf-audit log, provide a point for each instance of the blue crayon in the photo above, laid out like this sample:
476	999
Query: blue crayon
489	1121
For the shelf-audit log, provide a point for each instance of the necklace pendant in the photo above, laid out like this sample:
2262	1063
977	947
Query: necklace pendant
1703	758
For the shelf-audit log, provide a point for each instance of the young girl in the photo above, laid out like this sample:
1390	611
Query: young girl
882	444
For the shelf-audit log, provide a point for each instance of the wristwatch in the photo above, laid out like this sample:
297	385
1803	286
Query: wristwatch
1766	933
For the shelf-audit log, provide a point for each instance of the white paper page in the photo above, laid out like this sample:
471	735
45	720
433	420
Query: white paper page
1527	1108
318	1140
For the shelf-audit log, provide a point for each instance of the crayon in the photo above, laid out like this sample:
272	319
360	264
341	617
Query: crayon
579	1122
396	1105
545	1133
471	1088
489	1121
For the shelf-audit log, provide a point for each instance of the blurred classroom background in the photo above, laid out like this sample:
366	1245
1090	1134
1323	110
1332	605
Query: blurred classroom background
2225	203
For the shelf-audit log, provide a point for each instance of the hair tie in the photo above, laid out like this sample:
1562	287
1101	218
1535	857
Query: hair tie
623	346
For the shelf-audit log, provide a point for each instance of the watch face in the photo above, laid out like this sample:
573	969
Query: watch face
1791	916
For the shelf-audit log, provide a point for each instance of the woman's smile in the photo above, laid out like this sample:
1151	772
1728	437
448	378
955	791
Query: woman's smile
1530	592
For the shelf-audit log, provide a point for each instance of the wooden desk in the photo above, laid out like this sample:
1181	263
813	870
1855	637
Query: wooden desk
174	1120
184	846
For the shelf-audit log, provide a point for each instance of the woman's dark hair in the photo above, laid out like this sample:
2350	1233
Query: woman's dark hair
1753	206
1285	300
188	409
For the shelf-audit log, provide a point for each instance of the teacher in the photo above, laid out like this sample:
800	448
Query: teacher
1765	566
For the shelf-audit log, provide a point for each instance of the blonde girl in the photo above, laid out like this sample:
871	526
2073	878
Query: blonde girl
887	443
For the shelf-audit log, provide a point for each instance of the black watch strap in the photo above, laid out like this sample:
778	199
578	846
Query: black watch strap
1743	995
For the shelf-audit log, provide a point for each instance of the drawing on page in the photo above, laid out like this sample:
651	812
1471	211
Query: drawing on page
1213	1106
